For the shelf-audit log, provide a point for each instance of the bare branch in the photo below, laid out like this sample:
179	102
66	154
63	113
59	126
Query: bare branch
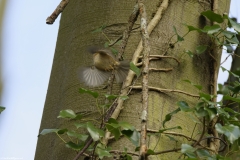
166	90
57	11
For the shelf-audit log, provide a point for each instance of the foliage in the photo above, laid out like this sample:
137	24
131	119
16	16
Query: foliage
204	110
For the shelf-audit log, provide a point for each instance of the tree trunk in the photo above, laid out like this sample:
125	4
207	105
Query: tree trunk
78	21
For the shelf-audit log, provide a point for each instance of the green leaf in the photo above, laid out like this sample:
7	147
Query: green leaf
192	28
179	38
102	152
184	106
46	131
68	113
189	53
95	133
228	34
212	29
233	74
213	16
201	49
227	97
168	117
2	109
211	112
94	94
82	137
80	125
203	154
222	112
106	44
188	150
115	131
74	145
124	97
233	40
149	152
133	136
135	69
205	96
234	24
201	112
108	96
126	126
199	87
222	89
230	131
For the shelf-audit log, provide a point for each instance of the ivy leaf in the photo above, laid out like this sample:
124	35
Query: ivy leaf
126	126
74	145
171	138
114	130
82	137
201	49
114	51
179	38
212	29
199	87
222	89
68	113
80	125
227	97
192	28
133	136
234	24
205	96
233	40
184	106
47	131
213	16
228	34
233	74
168	117
189	53
230	131
124	97
109	97
188	150
135	69
2	109
94	94
222	112
94	132
203	154
149	152
102	151
211	112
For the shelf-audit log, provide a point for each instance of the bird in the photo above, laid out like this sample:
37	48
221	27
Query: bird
104	63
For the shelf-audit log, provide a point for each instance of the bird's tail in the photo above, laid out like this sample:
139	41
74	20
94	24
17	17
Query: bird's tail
92	76
122	71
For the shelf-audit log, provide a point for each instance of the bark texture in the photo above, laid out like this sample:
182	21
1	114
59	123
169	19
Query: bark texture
78	20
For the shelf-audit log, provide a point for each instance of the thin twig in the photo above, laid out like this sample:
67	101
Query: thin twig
167	151
161	69
145	71
162	56
166	90
131	74
56	12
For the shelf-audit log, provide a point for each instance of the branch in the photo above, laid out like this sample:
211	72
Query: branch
162	56
161	69
161	90
57	11
145	71
131	74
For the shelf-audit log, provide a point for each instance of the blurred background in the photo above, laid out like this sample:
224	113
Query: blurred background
26	53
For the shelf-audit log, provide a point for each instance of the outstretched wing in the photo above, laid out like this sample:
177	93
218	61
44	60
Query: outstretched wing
92	76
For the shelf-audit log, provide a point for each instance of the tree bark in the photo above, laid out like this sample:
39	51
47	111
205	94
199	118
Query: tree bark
78	21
